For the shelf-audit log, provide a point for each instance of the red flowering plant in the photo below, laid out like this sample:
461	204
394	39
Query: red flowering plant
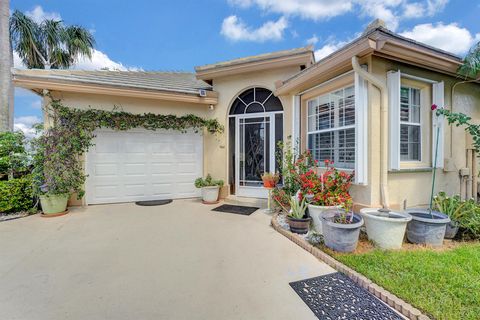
328	188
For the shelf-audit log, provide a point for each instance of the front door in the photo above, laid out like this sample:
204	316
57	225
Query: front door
255	152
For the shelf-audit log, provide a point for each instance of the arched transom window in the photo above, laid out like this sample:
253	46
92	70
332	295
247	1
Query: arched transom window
256	100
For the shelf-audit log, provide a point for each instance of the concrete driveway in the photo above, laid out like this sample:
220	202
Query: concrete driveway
179	261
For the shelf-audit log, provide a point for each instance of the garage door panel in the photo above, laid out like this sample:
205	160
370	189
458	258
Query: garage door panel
142	165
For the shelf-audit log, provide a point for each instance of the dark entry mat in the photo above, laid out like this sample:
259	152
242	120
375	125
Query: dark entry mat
243	210
150	203
335	296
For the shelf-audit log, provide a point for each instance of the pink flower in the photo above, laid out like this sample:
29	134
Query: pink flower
434	107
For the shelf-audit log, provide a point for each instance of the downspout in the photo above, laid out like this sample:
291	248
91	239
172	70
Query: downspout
382	87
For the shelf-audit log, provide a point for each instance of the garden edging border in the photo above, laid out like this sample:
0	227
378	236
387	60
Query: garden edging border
389	298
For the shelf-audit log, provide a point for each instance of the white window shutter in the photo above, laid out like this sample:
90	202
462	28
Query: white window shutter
361	130
438	123
393	83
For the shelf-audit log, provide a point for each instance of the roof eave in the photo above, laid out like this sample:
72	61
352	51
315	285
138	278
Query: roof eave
333	64
304	58
35	83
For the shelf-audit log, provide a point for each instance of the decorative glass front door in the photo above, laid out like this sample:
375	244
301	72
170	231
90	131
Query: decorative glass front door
255	153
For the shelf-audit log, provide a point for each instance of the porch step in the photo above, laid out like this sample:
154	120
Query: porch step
244	201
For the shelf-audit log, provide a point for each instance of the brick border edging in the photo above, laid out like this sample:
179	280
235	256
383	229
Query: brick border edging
393	301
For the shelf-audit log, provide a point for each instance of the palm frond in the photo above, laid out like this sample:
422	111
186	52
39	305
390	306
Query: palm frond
79	42
471	63
25	35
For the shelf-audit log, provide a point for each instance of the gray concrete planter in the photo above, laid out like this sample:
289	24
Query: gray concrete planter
342	237
451	230
318	213
386	229
210	194
427	228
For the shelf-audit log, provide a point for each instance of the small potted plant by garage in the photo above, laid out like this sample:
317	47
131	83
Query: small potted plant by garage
57	171
325	191
341	229
210	188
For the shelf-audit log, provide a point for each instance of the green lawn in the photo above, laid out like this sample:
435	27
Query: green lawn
443	284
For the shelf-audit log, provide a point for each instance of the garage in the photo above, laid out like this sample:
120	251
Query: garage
126	166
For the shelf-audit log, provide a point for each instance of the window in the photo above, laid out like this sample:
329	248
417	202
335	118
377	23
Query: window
331	127
410	124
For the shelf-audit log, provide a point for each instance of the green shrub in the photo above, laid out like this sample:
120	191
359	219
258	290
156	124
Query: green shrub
13	156
208	182
16	195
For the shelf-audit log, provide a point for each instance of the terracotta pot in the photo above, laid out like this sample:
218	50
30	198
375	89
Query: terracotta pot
299	225
269	183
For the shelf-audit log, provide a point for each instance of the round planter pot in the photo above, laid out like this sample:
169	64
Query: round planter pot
385	228
342	237
427	228
451	230
299	225
318	213
54	203
210	194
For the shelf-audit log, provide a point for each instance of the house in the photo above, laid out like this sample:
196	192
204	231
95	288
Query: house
365	106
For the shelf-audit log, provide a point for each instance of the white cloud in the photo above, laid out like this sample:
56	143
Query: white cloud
99	61
312	40
235	29
309	9
449	37
37	104
38	15
25	124
17	61
328	48
391	11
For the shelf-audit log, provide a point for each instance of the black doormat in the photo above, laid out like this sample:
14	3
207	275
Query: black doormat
243	210
150	203
335	296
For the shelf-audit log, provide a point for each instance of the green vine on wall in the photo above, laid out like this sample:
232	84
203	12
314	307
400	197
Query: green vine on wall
57	159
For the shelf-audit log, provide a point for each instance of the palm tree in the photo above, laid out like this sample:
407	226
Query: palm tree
471	63
49	44
6	88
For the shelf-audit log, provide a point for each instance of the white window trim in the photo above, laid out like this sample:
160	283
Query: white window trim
438	96
417	124
332	129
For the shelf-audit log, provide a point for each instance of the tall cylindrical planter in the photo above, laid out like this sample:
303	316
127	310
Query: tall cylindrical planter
318	213
53	204
427	227
342	237
210	194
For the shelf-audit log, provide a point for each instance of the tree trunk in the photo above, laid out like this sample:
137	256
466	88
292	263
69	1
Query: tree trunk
6	87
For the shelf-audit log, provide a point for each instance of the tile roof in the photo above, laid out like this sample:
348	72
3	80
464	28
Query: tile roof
256	58
183	82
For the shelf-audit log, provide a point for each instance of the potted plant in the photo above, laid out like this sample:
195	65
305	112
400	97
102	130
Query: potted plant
325	191
341	229
57	171
385	228
454	208
297	218
270	180
210	188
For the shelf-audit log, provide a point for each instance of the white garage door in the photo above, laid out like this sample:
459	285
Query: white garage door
143	165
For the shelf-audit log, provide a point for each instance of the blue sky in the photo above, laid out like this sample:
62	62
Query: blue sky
178	35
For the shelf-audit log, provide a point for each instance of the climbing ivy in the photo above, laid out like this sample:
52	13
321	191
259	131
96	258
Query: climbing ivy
58	151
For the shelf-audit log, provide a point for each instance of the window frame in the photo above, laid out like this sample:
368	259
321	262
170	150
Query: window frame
408	123
329	130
